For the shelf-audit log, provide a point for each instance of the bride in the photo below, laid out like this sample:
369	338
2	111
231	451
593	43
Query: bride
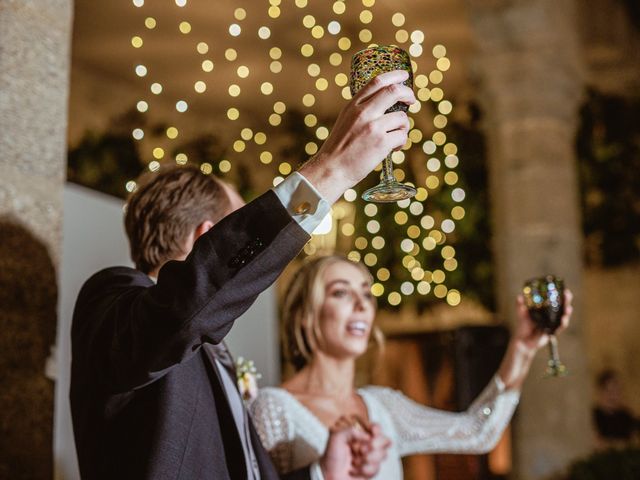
328	316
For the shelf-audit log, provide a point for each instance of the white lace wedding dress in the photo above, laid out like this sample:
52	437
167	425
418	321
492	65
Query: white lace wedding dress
295	437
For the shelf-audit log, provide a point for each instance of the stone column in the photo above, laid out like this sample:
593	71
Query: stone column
34	82
531	81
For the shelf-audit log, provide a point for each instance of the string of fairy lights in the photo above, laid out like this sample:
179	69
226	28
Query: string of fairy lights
327	75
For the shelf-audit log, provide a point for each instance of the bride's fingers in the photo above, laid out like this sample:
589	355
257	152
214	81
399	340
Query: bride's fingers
342	423
521	308
369	463
526	327
360	422
568	311
568	297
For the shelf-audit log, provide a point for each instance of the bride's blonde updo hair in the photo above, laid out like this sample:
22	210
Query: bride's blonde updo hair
301	308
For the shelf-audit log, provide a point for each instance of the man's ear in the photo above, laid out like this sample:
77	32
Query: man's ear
201	229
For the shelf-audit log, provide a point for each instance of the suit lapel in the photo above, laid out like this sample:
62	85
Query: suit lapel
231	441
221	353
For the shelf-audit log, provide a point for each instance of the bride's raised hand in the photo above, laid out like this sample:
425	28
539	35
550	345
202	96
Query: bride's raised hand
531	337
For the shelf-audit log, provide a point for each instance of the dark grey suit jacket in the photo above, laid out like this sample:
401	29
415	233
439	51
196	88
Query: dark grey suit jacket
146	400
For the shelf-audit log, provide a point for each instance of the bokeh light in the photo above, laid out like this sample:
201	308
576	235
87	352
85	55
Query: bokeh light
326	51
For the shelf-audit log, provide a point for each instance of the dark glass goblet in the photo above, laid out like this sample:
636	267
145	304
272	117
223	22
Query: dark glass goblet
544	298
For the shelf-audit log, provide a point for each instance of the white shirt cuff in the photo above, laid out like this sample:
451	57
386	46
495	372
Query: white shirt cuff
303	202
315	472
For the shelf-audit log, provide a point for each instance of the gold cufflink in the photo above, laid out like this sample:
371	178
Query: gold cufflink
302	208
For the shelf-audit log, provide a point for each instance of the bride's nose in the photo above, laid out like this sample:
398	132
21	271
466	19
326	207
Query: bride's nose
360	301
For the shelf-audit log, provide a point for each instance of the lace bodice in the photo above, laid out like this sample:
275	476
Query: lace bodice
295	437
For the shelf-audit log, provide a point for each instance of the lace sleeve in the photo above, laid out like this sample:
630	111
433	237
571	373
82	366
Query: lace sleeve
274	428
421	429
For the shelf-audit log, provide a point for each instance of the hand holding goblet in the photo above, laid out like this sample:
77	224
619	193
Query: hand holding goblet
365	66
547	305
361	135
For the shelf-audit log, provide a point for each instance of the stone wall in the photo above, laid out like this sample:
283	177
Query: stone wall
531	79
28	296
34	76
612	326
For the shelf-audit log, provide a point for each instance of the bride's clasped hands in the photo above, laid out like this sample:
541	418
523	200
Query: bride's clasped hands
360	456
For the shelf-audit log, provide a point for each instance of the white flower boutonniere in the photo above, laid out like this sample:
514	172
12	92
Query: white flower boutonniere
247	377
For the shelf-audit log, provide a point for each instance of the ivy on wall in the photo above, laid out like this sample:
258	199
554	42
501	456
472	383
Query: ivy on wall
608	148
633	11
621	464
105	160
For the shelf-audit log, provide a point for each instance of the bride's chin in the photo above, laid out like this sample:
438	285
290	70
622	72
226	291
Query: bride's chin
358	350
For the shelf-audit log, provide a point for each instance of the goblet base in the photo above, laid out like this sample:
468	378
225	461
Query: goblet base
556	369
389	192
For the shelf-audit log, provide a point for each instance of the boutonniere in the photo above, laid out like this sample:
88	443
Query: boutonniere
247	377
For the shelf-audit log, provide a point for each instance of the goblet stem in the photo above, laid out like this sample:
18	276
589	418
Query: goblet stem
386	175
555	367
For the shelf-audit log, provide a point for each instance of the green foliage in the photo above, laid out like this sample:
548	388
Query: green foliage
104	161
474	236
607	465
608	146
471	237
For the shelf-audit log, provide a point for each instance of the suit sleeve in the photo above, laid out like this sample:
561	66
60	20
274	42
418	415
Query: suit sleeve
143	331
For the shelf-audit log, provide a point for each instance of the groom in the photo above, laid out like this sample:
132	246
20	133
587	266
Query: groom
151	394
